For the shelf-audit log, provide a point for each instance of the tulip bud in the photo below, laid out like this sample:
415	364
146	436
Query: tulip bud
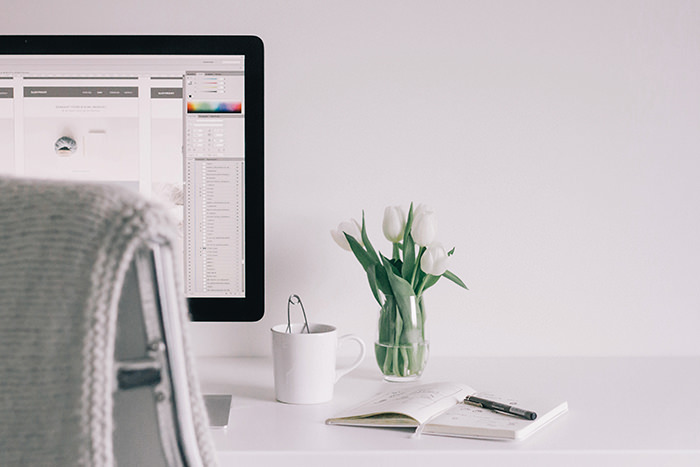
421	208
394	223
351	228
434	260
424	226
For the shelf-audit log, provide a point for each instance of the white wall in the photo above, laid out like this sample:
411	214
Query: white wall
559	143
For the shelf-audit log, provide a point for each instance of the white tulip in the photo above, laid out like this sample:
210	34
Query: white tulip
424	228
434	260
394	223
351	228
420	209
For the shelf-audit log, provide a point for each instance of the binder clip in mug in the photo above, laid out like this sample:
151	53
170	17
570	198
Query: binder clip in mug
296	300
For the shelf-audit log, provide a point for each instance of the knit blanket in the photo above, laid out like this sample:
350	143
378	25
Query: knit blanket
64	253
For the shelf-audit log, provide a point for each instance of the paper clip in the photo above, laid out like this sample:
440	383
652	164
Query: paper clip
294	300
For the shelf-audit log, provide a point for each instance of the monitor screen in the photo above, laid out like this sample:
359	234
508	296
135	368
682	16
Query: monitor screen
176	118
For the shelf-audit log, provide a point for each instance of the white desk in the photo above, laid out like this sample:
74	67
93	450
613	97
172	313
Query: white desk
622	412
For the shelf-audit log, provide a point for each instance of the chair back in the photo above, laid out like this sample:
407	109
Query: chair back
95	365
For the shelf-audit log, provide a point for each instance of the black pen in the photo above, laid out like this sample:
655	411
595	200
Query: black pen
499	407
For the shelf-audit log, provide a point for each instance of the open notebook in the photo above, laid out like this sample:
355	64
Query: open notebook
437	409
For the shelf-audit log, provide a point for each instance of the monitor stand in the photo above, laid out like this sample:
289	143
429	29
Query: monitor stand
218	408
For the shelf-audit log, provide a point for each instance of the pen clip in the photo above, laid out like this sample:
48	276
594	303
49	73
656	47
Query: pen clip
467	400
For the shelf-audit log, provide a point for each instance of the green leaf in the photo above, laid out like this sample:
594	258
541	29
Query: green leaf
409	259
365	239
391	265
372	278
409	223
424	282
430	281
396	263
386	326
382	280
362	256
398	284
451	276
451	252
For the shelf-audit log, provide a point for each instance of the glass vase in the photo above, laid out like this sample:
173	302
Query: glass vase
402	342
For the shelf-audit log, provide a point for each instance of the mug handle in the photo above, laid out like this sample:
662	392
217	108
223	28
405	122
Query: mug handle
340	372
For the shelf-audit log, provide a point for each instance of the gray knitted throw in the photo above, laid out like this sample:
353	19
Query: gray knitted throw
64	253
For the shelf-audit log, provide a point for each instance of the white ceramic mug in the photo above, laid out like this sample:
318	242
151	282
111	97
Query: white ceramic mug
305	363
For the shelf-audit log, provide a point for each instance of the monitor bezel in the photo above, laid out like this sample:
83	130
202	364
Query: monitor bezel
252	306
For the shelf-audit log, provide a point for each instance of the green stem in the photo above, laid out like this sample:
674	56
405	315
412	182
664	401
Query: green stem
395	254
407	368
421	286
397	338
417	267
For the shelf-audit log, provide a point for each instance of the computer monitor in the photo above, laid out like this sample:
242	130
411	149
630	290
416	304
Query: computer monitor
177	118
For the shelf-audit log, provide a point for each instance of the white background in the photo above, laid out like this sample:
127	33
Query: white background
558	141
